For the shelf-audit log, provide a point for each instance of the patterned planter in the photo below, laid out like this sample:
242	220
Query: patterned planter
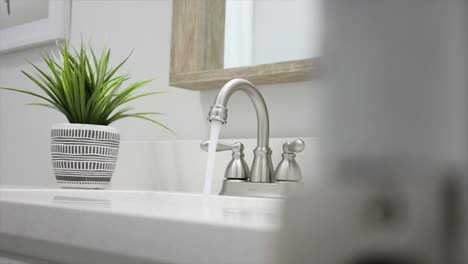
84	156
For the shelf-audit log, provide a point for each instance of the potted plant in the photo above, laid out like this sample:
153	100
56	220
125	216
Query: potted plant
82	86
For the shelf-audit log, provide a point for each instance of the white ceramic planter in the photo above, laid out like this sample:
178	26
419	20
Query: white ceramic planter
84	156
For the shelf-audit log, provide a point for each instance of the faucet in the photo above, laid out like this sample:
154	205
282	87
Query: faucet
261	180
262	166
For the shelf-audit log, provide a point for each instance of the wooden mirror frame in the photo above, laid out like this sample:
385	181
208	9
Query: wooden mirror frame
197	51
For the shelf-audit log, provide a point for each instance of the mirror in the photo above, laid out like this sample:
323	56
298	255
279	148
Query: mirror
214	41
260	32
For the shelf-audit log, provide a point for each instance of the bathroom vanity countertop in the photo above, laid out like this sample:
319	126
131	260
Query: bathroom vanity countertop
107	226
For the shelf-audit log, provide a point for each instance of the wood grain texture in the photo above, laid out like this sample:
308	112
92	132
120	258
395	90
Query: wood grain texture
197	51
188	30
214	34
280	72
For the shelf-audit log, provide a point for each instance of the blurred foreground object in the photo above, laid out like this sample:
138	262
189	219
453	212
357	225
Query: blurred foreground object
394	138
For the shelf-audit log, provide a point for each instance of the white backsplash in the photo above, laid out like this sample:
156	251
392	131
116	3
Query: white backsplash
180	165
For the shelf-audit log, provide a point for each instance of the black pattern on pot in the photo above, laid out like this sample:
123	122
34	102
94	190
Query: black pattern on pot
84	155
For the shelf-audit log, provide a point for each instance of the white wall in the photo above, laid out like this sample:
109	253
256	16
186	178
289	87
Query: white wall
145	27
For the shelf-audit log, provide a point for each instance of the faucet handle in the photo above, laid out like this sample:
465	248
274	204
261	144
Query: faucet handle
236	147
237	169
288	169
295	146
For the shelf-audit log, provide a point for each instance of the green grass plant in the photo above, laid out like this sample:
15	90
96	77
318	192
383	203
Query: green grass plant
85	88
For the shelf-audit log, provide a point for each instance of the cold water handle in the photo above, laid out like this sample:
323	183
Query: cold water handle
288	169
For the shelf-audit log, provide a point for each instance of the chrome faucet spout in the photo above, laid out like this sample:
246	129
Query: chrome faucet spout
262	166
219	109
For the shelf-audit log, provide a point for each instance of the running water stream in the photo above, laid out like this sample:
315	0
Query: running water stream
214	135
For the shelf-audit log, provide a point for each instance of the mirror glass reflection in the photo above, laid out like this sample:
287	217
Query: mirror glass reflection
269	31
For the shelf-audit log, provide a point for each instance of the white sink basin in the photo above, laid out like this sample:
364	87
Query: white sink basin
83	226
